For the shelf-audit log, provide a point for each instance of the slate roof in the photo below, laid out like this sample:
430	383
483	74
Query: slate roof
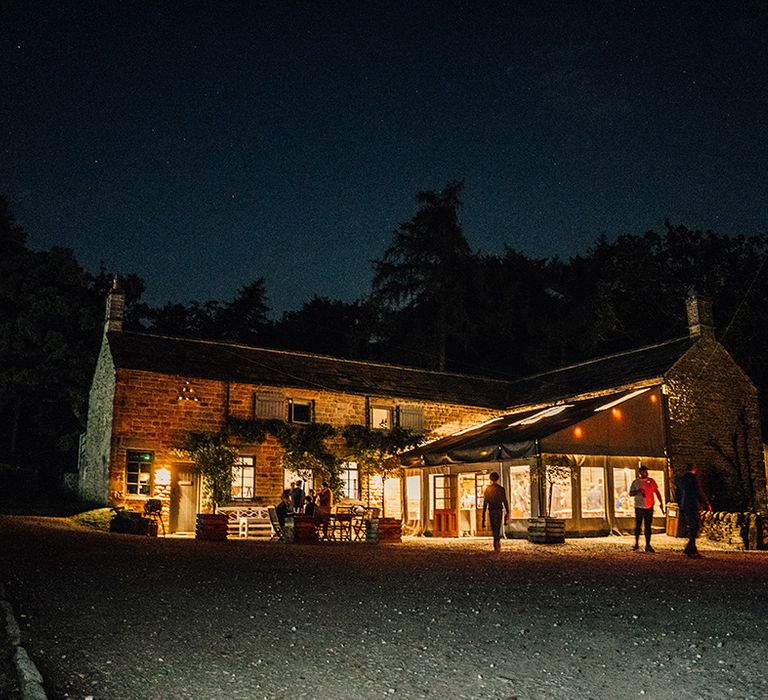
215	360
601	374
281	368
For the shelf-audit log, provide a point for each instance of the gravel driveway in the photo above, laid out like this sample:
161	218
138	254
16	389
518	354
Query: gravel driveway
131	618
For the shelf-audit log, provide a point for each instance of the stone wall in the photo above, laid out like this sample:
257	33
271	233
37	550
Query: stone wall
713	421
155	412
737	530
94	470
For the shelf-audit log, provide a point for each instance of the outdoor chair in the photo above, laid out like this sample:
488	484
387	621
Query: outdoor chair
153	510
279	532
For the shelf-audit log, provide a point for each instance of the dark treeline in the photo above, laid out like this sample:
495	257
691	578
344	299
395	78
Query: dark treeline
433	303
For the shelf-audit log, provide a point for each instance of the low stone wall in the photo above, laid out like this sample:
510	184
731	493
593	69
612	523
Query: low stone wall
738	530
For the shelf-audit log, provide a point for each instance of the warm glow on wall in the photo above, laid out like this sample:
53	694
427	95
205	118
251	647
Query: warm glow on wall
616	413
163	477
653	398
578	432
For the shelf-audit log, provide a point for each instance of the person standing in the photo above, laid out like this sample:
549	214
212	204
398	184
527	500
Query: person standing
495	502
644	489
692	500
297	497
309	506
324	506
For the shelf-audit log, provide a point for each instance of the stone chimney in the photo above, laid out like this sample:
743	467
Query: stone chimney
113	320
700	323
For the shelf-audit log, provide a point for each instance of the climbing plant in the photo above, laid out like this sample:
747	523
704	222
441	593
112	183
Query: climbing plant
214	460
375	451
305	451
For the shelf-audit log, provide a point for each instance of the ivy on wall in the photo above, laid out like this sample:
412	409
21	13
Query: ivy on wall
376	450
306	451
214	460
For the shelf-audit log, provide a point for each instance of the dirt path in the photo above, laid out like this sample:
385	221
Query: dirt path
129	618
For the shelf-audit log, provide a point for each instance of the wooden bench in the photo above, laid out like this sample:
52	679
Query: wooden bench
250	522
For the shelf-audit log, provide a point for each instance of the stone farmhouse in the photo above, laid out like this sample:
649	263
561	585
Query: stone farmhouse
663	405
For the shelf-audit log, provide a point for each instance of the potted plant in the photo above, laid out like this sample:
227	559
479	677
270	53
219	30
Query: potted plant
214	460
549	471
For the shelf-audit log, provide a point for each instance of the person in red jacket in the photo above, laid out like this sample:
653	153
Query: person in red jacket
495	502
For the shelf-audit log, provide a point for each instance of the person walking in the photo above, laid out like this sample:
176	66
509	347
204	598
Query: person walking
692	500
644	489
495	502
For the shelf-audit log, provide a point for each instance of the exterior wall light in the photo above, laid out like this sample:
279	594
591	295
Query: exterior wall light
162	477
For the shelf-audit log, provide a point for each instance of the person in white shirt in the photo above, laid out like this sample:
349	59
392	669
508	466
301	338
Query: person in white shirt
644	489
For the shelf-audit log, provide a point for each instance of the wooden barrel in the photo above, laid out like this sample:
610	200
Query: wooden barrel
546	530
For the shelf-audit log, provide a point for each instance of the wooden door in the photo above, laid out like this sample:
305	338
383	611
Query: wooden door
184	496
481	482
446	512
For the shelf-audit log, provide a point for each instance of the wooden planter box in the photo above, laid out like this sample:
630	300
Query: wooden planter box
546	530
383	530
304	529
211	526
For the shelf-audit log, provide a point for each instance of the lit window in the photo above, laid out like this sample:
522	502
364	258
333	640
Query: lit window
623	503
520	492
444	496
299	411
393	503
592	493
350	480
381	418
559	493
244	478
413	497
138	473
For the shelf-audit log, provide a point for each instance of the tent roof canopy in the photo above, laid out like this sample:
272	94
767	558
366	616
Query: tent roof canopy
511	435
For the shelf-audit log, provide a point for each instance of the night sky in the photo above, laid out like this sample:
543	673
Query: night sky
203	145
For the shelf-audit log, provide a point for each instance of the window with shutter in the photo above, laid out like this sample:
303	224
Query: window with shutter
267	406
412	418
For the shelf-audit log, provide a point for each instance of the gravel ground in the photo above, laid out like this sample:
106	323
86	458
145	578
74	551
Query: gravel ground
131	618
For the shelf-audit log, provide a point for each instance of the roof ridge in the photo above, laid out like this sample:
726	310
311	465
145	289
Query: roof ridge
300	353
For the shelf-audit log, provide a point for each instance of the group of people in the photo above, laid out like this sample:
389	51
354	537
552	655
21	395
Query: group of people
691	500
294	501
690	497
